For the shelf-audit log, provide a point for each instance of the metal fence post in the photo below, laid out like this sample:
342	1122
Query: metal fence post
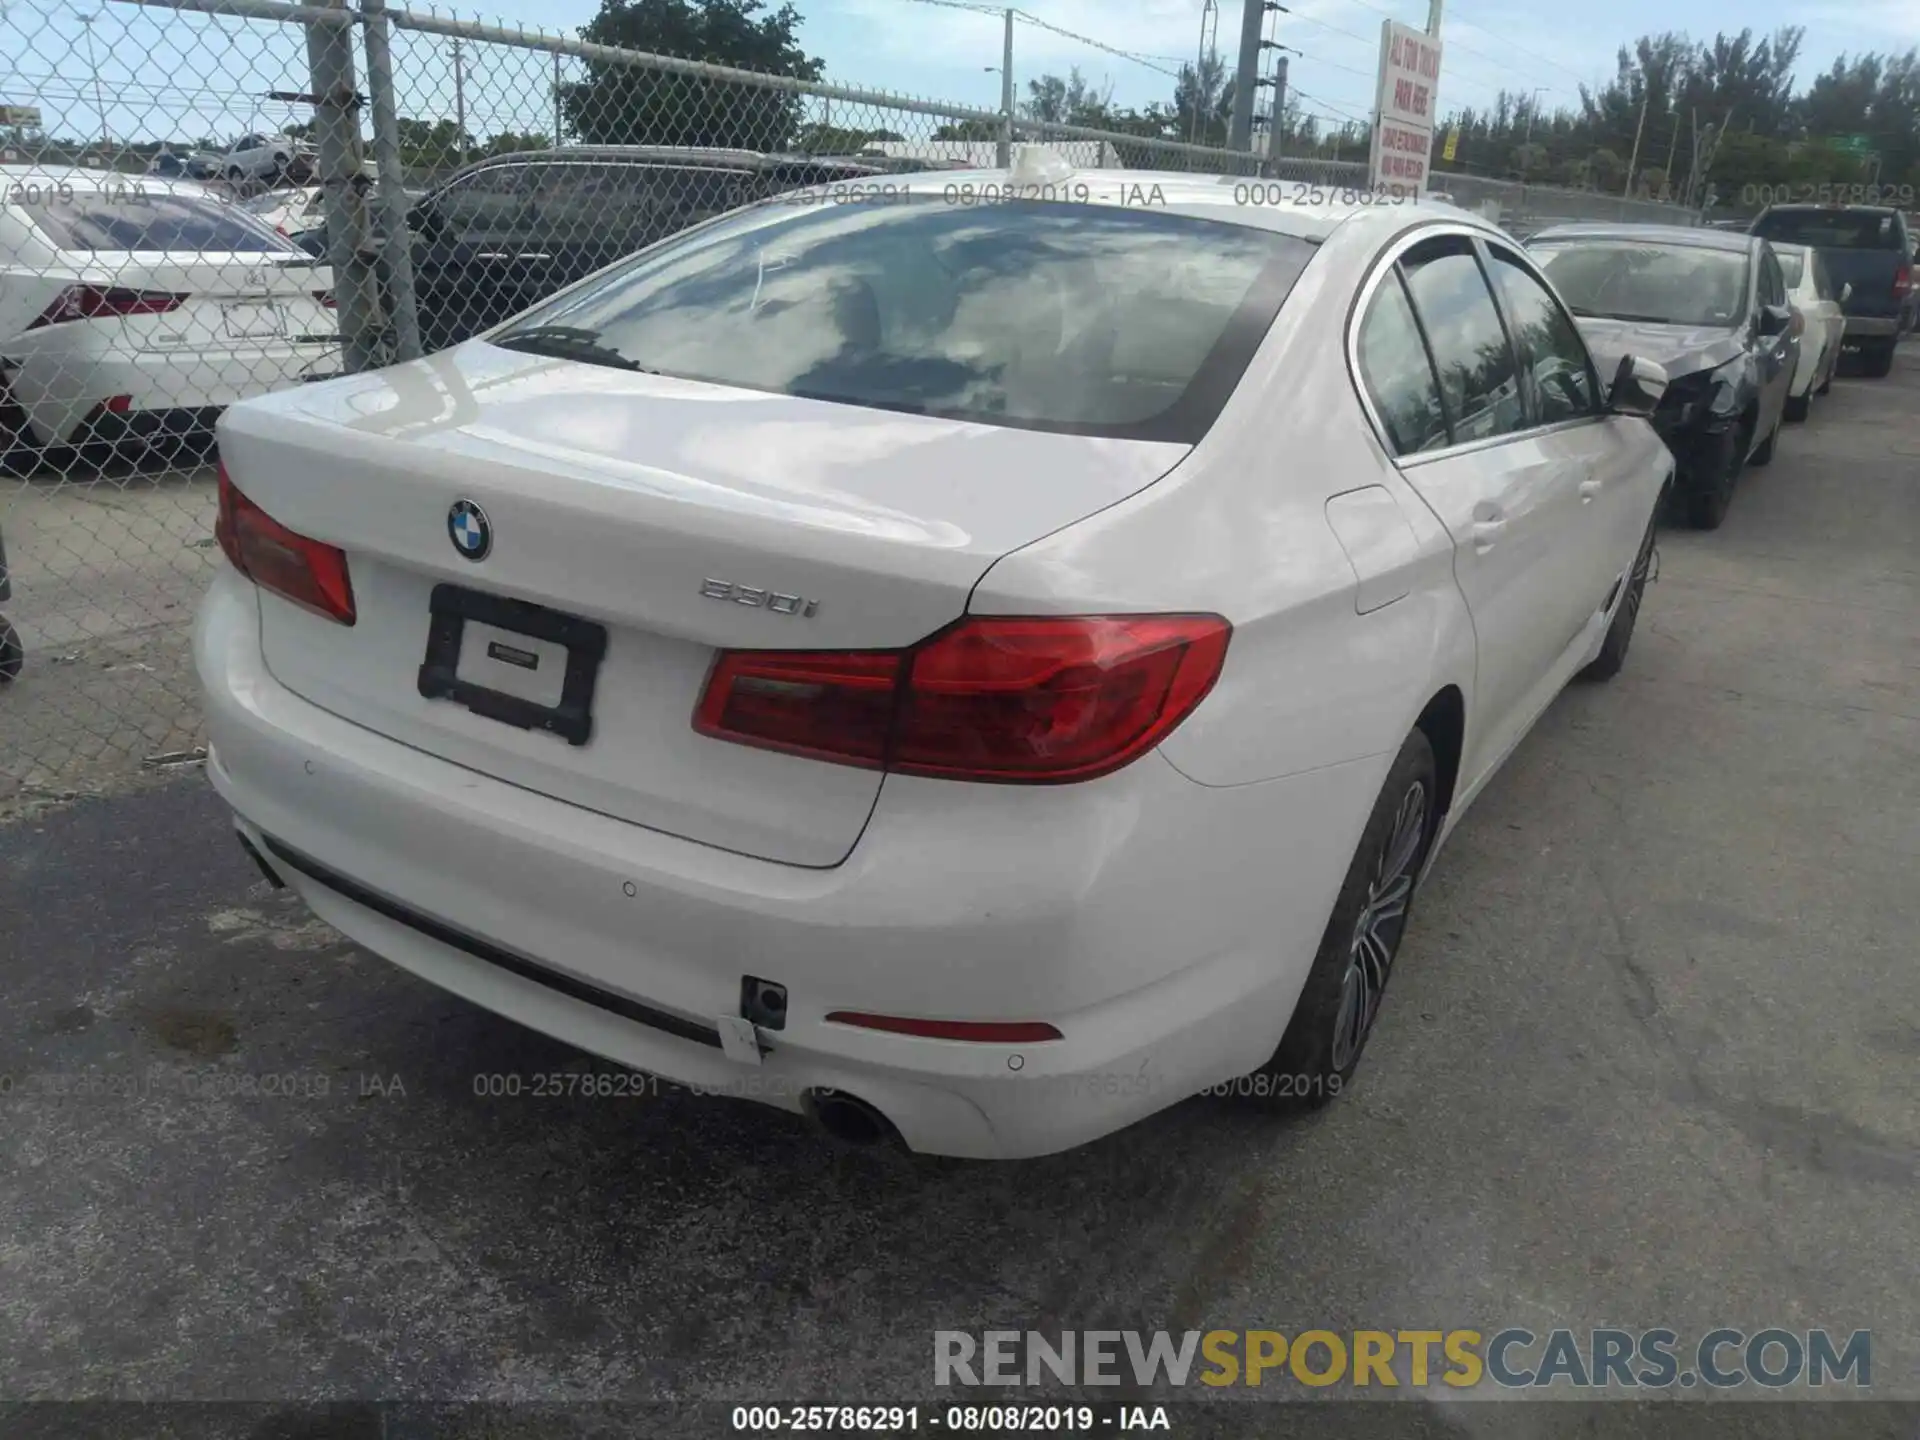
336	115
1003	152
397	244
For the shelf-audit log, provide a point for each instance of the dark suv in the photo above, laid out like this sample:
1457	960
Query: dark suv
1867	247
505	233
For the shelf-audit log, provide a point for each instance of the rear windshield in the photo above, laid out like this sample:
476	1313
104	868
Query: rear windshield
1832	229
1634	280
1076	318
79	219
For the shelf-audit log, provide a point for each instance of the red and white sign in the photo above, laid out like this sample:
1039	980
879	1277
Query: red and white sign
1406	109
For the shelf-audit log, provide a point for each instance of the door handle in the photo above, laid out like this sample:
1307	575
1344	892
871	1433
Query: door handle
1485	532
1589	489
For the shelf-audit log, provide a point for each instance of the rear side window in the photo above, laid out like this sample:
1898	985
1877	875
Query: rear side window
83	220
630	205
1398	376
1479	377
488	205
1833	229
1792	266
1082	319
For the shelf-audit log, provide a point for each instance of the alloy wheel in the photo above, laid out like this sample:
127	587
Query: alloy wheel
1381	923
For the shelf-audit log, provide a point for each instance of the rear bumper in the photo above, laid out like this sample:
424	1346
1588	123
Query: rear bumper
1873	327
1164	927
60	390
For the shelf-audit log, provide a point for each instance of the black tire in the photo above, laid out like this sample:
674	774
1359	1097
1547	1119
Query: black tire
1708	495
1613	650
1798	406
1876	361
12	654
1764	455
1341	1000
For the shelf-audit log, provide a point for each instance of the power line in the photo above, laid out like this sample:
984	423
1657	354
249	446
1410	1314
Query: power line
1339	112
1452	44
1333	65
1455	17
996	11
1035	20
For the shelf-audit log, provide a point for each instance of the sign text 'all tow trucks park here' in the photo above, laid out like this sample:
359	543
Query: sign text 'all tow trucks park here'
1405	108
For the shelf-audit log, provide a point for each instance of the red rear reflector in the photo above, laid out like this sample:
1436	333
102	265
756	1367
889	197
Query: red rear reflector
117	404
325	297
95	302
307	572
1902	280
1034	700
981	1032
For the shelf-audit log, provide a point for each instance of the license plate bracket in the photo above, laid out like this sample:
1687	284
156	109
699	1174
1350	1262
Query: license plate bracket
585	642
253	319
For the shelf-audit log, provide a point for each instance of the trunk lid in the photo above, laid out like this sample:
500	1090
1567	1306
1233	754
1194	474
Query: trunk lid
666	511
235	301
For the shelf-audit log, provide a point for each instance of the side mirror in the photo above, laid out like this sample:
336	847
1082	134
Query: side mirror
1774	319
1846	292
1637	387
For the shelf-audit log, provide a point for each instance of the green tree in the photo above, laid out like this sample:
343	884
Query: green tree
818	138
1070	101
624	105
968	130
433	144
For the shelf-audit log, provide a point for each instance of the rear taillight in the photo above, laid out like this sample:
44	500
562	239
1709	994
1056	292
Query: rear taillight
95	302
325	297
1903	280
307	572
1033	700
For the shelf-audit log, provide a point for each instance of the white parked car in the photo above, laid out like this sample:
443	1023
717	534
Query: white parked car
289	211
1817	301
138	305
260	160
977	672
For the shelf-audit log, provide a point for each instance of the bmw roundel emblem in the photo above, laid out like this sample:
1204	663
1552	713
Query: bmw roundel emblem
470	530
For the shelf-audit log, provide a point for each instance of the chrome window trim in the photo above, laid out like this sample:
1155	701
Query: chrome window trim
1383	264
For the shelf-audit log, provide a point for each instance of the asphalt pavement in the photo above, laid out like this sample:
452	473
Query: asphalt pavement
1651	1057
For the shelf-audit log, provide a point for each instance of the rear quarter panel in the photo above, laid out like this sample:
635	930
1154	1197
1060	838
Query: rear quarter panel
1240	528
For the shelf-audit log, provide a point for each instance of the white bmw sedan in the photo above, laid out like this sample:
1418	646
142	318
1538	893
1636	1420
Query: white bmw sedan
970	672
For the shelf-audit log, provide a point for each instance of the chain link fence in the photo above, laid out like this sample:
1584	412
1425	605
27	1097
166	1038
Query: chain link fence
207	200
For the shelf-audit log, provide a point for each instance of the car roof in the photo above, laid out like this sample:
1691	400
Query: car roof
657	154
1698	235
1234	199
94	178
1806	209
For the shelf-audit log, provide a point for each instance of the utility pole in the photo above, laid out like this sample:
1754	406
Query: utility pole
1526	145
1634	162
106	140
1673	148
1246	79
1279	108
556	97
1433	18
1693	160
1208	54
459	103
1004	154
